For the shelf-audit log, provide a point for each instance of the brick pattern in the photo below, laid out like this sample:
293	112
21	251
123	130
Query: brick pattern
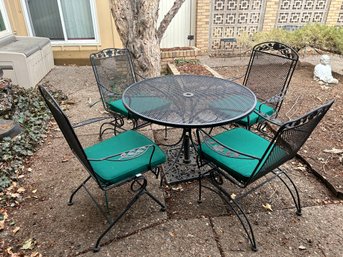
202	25
340	16
170	55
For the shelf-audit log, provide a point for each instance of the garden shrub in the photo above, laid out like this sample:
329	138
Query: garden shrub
319	36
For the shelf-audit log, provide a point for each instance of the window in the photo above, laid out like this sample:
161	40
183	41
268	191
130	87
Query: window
5	27
64	21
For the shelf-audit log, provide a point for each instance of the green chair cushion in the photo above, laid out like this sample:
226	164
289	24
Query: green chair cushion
118	106
242	140
112	172
145	104
253	117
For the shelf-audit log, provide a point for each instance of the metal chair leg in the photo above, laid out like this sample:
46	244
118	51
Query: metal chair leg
114	124
133	200
294	194
240	214
200	188
70	202
163	207
141	190
165	133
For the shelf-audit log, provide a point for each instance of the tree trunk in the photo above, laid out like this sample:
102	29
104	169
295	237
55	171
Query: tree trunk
136	22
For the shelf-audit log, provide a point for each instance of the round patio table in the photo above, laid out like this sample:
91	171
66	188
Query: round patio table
188	102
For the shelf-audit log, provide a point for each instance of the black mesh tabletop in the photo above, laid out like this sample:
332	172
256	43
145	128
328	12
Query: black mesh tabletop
189	100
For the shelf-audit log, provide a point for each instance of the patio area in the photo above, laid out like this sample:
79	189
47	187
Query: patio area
186	228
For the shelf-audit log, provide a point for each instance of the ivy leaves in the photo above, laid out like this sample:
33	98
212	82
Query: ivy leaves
32	115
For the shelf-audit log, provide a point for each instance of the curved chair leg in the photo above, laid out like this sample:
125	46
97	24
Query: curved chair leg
240	214
70	202
117	122
294	194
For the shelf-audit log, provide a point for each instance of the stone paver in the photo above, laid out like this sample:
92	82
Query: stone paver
192	237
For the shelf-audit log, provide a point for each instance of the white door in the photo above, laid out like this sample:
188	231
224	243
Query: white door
5	27
182	26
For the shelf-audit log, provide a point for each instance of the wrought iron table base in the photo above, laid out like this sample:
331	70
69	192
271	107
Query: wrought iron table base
184	165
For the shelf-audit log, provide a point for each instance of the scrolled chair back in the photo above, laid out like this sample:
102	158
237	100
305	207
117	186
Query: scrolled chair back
287	141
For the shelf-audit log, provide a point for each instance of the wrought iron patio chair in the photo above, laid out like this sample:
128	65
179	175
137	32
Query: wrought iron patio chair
114	72
112	162
243	157
268	75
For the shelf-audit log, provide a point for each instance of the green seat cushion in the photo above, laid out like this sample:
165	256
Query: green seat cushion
112	172
118	106
242	140
253	117
145	104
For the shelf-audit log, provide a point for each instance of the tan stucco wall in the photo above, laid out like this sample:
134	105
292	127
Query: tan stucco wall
108	36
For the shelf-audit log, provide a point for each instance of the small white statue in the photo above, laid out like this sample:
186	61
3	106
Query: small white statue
323	71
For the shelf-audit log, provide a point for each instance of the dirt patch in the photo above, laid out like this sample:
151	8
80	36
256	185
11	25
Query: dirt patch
195	69
176	49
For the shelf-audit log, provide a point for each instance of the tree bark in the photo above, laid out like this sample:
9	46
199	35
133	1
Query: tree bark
136	23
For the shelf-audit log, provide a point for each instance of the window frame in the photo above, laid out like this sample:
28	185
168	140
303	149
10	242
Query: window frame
8	29
65	42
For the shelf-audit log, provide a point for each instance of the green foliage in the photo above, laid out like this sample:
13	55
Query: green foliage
179	62
31	113
320	36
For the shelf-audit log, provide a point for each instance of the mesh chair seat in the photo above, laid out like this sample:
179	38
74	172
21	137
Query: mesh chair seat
120	168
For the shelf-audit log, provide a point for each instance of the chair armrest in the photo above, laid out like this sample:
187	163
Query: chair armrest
269	118
128	155
89	121
109	92
239	77
274	99
235	78
223	149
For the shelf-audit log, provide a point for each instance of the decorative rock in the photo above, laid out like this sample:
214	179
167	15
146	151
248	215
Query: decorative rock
8	128
5	97
323	72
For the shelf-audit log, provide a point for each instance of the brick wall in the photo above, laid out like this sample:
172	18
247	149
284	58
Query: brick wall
333	14
202	25
270	15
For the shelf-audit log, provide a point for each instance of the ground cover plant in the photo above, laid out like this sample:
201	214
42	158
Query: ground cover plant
29	110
